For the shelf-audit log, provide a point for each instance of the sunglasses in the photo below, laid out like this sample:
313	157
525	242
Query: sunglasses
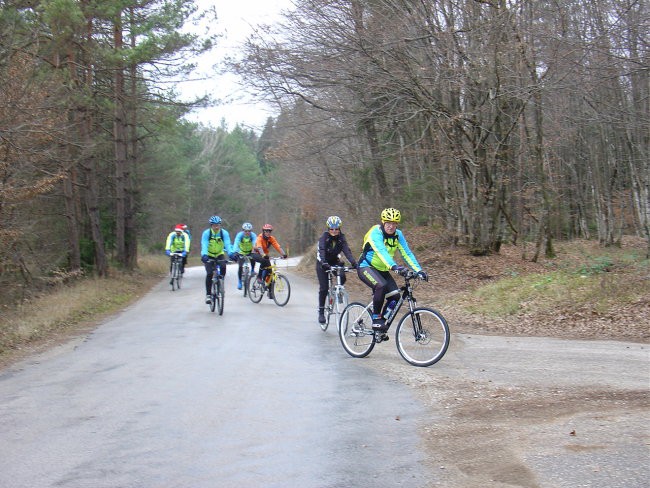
331	228
266	230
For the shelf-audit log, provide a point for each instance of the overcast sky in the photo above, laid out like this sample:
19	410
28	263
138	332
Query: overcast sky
235	21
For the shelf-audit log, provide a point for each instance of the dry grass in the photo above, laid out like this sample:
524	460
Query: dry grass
51	317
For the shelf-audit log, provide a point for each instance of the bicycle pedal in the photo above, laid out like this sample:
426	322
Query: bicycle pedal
381	337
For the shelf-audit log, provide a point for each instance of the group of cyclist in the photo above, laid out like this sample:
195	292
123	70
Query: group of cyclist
374	265
217	247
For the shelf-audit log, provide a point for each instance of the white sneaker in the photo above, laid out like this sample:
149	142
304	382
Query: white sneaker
208	299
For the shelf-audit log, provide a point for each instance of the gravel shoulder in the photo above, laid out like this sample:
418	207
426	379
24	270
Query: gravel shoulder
529	400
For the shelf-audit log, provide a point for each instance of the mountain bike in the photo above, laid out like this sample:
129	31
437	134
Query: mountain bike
176	272
276	284
218	290
246	270
422	334
337	297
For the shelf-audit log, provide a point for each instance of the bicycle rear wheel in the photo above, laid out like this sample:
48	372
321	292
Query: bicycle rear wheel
422	337
220	295
255	290
281	289
355	330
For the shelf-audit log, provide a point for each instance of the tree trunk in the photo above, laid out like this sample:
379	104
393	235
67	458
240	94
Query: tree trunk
120	149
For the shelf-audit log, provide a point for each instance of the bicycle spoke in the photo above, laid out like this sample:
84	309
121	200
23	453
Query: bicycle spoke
255	290
281	290
355	330
422	337
220	295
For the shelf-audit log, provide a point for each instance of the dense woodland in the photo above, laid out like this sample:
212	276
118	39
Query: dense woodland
488	121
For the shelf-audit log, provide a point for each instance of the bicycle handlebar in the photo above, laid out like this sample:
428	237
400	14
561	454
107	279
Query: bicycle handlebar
334	269
413	275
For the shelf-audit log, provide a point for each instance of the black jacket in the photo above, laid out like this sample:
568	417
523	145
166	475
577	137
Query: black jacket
329	248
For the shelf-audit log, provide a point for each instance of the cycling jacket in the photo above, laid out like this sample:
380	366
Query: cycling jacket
243	244
379	249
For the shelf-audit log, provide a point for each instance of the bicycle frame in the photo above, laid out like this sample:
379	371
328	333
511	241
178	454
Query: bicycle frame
176	268
273	271
337	298
334	276
406	295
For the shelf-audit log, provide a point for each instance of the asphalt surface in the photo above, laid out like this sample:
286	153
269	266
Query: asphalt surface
168	394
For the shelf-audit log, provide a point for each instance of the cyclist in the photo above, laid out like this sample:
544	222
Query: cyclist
178	241
215	244
261	250
244	241
376	262
330	246
186	230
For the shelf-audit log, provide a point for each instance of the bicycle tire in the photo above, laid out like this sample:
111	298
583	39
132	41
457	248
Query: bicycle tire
213	302
281	289
246	278
429	344
255	290
355	330
327	310
179	278
221	295
173	274
341	300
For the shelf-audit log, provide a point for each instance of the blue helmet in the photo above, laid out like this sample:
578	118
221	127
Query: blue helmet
247	226
334	222
215	219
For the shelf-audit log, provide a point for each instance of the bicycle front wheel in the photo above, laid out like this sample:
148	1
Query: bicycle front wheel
174	275
246	278
281	289
255	290
355	330
179	276
213	303
422	337
341	300
328	310
220	295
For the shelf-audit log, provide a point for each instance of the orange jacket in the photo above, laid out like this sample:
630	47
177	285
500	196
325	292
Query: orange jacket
262	244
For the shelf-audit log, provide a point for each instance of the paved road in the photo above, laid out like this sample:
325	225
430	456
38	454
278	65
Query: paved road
167	394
